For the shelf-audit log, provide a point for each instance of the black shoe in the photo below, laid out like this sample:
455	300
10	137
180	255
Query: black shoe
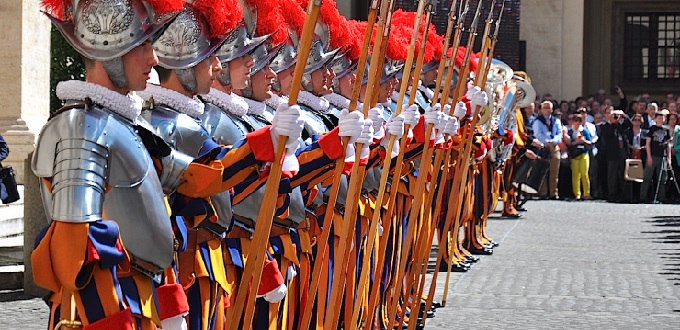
495	244
510	215
473	259
482	251
436	304
455	267
520	208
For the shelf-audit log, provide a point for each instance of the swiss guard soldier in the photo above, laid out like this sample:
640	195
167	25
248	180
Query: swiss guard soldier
185	70
98	177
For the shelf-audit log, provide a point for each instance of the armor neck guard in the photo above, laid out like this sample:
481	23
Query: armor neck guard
255	107
337	100
316	103
128	106
428	92
230	103
174	100
275	101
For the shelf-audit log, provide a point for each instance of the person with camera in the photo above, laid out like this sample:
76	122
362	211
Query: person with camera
614	150
658	150
578	141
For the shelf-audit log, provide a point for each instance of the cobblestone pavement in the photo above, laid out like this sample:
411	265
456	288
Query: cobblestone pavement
563	266
570	265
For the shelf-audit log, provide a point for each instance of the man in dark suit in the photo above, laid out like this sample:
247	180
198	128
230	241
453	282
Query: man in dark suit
4	150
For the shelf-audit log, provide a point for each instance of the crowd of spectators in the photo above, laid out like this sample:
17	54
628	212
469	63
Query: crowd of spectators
588	141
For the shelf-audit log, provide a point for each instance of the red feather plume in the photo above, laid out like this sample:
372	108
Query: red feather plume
405	20
269	20
223	15
355	37
166	6
293	15
56	8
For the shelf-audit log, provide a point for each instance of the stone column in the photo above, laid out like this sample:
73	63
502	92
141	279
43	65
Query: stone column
25	76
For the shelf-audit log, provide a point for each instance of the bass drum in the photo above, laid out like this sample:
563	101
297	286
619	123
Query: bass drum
530	175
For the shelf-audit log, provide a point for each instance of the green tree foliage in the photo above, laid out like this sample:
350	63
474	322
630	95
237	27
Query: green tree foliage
66	65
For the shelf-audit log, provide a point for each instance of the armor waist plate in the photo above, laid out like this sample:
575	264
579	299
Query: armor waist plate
134	198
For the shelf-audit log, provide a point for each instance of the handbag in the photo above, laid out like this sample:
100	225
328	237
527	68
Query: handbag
575	150
8	185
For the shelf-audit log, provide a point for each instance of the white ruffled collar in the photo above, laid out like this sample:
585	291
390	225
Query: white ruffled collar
128	106
428	92
275	101
231	103
191	106
337	100
317	104
255	107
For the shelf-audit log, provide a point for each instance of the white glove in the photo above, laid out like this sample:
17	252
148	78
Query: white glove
452	126
175	323
433	114
291	272
287	122
395	125
439	127
411	115
275	295
378	118
447	109
472	91
460	110
380	230
479	100
350	124
366	136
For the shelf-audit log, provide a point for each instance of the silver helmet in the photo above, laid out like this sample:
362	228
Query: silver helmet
186	41
389	70
103	30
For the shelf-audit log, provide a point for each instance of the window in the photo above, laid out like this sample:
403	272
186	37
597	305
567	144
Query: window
652	46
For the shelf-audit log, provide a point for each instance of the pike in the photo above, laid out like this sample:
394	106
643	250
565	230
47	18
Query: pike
370	243
463	160
255	260
357	173
492	47
420	187
322	240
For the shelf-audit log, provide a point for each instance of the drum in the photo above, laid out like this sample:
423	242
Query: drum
530	175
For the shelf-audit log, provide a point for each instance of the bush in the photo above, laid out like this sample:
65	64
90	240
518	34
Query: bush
66	65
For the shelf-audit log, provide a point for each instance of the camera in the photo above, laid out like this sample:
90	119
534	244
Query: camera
617	117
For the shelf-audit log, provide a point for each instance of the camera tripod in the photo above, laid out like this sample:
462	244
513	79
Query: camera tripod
665	173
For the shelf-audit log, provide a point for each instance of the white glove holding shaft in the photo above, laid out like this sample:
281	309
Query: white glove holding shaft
350	124
479	100
434	114
174	323
452	126
395	125
439	127
287	122
460	110
378	118
471	92
411	115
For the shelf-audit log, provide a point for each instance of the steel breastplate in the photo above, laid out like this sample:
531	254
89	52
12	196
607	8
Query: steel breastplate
134	199
179	130
224	128
421	100
315	123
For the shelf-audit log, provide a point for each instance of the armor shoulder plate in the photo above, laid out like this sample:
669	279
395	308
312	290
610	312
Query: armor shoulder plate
224	129
177	129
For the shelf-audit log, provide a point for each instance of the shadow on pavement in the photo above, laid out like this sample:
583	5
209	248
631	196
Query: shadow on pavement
14	295
668	233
